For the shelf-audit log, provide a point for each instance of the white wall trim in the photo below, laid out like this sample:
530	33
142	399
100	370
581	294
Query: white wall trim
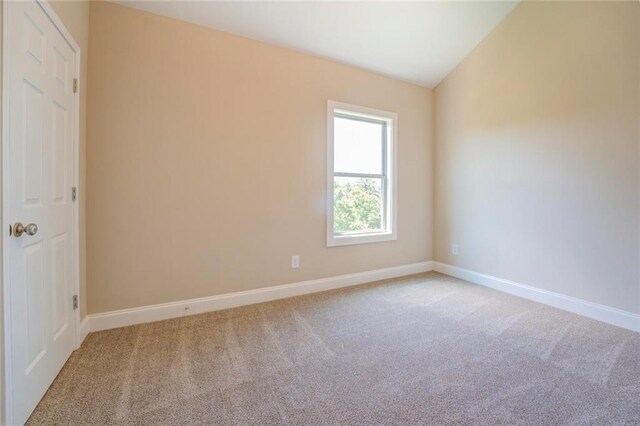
85	328
391	173
144	314
125	317
582	307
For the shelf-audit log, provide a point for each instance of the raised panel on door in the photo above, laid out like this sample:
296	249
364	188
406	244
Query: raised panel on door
59	153
34	39
33	143
34	309
60	68
60	282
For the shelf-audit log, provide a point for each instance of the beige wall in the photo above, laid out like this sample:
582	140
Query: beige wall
206	166
537	152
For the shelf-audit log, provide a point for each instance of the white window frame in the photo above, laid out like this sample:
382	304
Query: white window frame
390	186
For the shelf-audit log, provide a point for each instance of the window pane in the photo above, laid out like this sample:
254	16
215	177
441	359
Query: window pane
357	146
357	205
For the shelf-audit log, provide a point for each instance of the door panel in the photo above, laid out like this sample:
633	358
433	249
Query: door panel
39	174
58	155
33	142
59	303
34	305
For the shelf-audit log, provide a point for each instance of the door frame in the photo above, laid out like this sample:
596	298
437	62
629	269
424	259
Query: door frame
7	385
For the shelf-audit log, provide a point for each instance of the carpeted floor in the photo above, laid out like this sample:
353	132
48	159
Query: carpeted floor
424	349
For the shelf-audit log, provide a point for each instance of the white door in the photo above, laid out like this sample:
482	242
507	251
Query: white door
39	162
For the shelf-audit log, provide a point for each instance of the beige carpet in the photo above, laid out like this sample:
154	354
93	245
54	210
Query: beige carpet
425	349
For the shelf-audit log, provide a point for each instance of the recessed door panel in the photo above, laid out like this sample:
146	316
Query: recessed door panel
60	67
33	142
33	40
59	275
58	155
35	320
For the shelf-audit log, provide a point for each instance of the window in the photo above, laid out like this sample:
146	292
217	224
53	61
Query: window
361	180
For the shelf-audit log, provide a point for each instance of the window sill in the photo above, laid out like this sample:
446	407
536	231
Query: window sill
347	240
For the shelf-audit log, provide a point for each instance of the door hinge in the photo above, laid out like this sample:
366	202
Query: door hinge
75	85
75	301
74	193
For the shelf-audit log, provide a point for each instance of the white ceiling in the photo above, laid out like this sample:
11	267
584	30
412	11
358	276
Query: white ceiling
420	42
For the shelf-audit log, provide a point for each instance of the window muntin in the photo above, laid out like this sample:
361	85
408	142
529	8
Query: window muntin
361	175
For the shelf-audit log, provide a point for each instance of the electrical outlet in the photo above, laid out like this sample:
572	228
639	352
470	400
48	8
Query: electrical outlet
454	250
295	262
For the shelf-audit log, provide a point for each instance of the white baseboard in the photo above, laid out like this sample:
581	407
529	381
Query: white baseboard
144	314
85	328
592	310
165	311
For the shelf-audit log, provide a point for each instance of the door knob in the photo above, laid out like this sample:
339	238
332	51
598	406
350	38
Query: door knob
19	229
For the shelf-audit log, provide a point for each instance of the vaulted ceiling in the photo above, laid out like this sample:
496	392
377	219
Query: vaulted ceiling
419	42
